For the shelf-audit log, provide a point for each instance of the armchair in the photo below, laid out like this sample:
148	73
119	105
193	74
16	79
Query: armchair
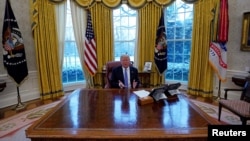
240	107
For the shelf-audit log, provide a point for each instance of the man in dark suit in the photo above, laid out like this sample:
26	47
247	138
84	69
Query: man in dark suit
123	72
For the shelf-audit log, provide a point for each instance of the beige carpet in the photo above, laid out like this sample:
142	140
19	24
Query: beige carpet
13	128
212	110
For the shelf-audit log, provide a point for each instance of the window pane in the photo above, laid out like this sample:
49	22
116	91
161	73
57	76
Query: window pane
72	70
179	22
125	23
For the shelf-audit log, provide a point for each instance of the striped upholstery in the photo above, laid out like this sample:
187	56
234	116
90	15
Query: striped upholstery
239	107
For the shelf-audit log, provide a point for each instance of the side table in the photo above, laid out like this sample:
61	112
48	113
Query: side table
2	85
239	80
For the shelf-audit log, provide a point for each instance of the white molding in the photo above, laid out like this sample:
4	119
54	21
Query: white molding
73	86
28	90
228	84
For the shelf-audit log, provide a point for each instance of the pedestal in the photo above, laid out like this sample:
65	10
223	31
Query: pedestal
2	85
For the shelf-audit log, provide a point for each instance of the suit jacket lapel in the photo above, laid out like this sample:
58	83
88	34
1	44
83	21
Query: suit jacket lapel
122	77
131	74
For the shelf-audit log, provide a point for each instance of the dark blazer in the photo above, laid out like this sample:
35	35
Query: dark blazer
117	74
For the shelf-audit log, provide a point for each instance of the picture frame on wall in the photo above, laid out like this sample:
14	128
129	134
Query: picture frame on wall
147	66
245	37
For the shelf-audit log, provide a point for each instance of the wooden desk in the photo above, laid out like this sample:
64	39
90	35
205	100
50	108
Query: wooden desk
114	114
143	76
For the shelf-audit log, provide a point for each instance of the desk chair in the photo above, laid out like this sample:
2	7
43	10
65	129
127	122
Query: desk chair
109	67
240	107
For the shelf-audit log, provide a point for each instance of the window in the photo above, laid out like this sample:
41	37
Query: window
72	70
125	26
178	23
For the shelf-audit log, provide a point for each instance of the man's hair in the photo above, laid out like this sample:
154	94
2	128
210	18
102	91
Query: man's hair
124	55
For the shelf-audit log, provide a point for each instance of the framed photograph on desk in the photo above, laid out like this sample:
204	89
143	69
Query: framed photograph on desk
147	66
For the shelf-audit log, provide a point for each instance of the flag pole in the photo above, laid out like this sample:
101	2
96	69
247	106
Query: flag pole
19	104
14	57
219	91
160	78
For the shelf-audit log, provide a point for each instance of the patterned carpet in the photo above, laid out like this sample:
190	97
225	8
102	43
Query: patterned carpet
13	128
212	110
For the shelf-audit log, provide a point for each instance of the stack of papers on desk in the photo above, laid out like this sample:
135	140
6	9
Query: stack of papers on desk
172	92
144	97
141	93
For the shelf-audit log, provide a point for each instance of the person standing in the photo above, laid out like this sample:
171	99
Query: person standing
125	76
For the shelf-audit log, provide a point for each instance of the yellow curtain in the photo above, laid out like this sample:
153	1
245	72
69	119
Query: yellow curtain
201	74
103	29
149	17
137	4
46	42
46	46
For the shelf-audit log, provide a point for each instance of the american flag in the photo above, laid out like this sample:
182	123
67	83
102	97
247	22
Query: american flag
90	59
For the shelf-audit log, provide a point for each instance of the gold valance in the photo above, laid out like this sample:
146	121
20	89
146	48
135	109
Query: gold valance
56	1
115	3
112	3
137	3
86	3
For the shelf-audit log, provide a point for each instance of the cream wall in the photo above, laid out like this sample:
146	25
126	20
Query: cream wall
29	89
237	60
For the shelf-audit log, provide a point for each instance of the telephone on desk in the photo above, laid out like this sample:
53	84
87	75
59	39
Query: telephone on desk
168	92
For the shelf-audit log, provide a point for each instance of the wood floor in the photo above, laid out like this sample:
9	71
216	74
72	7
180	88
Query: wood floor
10	111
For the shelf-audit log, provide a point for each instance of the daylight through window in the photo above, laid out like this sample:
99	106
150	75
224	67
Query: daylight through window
72	70
178	23
125	26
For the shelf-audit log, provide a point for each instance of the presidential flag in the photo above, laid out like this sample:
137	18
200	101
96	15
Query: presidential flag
217	49
90	59
160	54
14	58
218	59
